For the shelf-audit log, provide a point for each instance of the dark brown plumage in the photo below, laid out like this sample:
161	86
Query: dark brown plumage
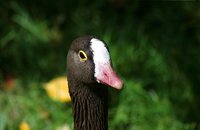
89	98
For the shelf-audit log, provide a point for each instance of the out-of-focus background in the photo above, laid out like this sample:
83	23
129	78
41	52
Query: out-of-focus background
155	48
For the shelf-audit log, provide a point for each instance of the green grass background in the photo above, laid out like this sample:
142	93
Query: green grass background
154	47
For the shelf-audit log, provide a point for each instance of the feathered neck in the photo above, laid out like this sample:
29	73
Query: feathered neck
89	106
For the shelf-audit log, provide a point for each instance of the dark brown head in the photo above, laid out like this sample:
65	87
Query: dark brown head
88	61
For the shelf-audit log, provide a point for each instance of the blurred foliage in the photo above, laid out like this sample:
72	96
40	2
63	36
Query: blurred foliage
154	47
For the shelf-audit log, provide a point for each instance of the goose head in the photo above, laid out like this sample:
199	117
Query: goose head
88	62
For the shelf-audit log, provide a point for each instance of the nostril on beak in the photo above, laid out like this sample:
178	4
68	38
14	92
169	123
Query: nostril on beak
106	74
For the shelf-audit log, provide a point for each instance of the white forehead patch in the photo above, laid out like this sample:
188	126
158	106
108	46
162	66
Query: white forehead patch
100	54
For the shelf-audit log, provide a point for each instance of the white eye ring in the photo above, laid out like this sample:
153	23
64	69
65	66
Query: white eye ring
82	55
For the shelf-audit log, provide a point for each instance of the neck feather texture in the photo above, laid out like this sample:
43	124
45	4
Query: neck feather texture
89	106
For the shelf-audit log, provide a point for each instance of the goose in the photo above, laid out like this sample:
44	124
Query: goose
89	72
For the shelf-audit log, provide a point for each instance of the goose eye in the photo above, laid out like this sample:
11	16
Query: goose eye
82	55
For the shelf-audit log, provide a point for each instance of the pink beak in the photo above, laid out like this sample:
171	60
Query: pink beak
109	77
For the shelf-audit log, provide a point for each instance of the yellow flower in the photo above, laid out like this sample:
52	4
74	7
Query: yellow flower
24	126
57	89
64	127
